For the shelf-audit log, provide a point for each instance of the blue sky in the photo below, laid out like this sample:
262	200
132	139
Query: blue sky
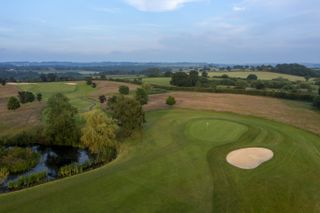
218	31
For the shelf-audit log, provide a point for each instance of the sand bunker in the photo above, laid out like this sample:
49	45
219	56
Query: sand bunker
14	83
249	158
71	84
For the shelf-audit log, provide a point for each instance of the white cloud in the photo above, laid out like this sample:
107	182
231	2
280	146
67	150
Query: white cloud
238	9
158	5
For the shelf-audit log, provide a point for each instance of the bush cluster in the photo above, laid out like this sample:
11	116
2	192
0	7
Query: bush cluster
25	97
19	159
3	174
26	181
73	169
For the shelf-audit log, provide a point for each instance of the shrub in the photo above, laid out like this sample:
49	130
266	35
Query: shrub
74	168
26	97
18	159
13	103
89	80
39	97
3	174
93	85
26	181
171	101
142	96
252	77
316	102
102	99
124	90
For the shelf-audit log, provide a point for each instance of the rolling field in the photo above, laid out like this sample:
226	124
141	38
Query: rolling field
185	170
82	96
261	75
158	81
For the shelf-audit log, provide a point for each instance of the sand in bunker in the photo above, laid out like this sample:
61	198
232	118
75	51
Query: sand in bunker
71	84
249	158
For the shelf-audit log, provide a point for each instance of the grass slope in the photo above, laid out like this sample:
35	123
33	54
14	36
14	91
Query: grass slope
174	167
76	93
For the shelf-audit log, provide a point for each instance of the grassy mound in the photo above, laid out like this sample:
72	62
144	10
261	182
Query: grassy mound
168	170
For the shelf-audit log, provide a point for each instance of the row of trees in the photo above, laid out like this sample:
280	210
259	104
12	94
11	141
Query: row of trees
24	97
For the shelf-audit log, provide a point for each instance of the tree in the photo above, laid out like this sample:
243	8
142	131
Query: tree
13	103
61	128
171	101
180	79
39	97
102	99
124	90
316	102
168	74
112	101
129	114
260	85
152	72
252	77
142	96
89	80
3	82
204	74
99	135
25	97
194	77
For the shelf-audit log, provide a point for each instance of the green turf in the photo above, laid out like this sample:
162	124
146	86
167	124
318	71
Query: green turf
163	81
172	167
76	93
261	75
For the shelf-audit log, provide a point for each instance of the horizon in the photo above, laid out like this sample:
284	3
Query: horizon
167	31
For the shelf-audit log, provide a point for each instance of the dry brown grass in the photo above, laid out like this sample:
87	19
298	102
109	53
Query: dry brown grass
109	87
26	117
290	112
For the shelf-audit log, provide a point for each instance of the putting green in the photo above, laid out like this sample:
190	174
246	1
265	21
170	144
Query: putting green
169	169
215	130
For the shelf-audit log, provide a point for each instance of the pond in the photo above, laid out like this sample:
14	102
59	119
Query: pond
51	159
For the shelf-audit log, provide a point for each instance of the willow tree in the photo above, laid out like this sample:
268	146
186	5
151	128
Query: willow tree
99	135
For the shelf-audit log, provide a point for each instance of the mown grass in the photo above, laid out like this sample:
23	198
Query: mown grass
168	168
78	94
261	75
164	81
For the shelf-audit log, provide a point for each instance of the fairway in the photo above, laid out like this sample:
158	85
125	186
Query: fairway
185	170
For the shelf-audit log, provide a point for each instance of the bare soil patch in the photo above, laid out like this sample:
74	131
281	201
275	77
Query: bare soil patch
270	108
249	158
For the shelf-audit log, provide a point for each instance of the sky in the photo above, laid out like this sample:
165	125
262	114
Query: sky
214	31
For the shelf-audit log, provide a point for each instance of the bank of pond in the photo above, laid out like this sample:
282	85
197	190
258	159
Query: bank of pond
25	166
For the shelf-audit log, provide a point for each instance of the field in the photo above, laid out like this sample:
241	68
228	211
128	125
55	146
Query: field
163	81
261	75
82	96
185	170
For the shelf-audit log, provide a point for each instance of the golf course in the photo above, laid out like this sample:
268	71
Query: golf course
178	164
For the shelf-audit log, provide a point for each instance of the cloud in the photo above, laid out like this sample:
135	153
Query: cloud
238	9
158	5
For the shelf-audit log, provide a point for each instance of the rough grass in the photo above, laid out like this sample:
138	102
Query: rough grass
261	75
295	113
174	172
